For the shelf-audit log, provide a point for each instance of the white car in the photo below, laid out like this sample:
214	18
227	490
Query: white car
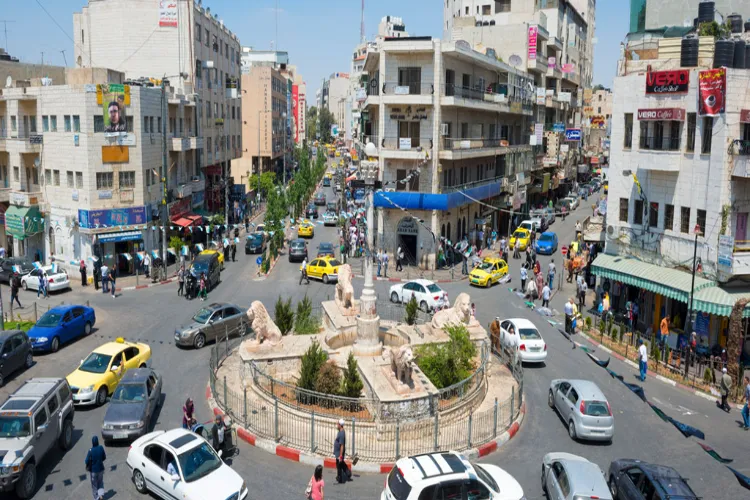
200	472
533	225
573	200
260	228
521	337
55	281
448	475
429	296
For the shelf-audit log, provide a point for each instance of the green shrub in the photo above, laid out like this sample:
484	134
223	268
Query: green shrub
602	326
449	363
284	315
311	361
707	376
587	323
616	334
176	243
351	385
329	379
411	311
305	323
265	265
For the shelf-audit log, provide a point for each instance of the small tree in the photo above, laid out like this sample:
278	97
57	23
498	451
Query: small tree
176	243
305	323
449	363
311	362
329	379
587	323
616	334
352	385
284	315
411	311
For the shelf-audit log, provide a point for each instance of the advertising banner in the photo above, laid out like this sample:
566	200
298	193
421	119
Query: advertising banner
598	122
551	61
539	132
674	114
540	96
565	97
568	68
90	219
533	30
745	116
168	13
295	111
668	82
712	86
573	134
114	98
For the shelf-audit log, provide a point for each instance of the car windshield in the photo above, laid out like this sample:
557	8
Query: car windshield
545	237
486	477
129	393
400	489
519	234
298	244
256	238
325	246
14	426
198	462
203	315
434	288
199	267
95	363
486	266
49	319
595	409
529	334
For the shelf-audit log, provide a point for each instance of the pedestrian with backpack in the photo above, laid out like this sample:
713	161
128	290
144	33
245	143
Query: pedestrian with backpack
95	467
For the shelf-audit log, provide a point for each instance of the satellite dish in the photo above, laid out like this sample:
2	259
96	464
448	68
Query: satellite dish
9	82
610	230
515	60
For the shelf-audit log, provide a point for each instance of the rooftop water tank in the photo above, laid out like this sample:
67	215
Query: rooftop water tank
705	12
724	53
739	54
689	52
735	22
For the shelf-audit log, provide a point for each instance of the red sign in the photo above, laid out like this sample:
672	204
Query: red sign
533	30
712	88
564	251
295	111
745	116
674	114
668	82
179	208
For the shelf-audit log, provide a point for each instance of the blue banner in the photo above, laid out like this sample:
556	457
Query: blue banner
92	219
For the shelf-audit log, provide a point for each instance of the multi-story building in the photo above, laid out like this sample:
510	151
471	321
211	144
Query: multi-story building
299	109
655	14
679	180
463	121
192	48
73	187
332	95
596	123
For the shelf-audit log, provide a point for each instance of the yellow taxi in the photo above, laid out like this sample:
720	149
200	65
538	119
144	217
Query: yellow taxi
489	272
306	229
520	237
98	375
324	268
211	252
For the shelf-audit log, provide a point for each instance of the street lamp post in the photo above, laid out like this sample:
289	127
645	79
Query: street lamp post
697	231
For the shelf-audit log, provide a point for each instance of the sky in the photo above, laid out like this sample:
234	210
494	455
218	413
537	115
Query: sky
319	35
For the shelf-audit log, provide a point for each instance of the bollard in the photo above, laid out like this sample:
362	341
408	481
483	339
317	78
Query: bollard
494	421
436	431
244	398
398	436
36	314
312	432
512	399
225	391
471	417
354	439
276	419
88	303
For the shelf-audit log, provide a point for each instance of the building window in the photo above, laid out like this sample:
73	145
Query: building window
104	180
151	125
129	123
198	32
69	177
684	219
701	221
674	136
158	124
411	77
32	123
628	130
145	125
708	132
76	123
53	123
13	123
624	209
502	6
47	176
653	215
79	179
66	121
486	10
56	177
45	123
98	123
16	174
411	185
645	140
668	217
638	212
409	130
690	147
127	180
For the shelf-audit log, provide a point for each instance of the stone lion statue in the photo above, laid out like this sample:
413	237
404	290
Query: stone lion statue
344	289
459	314
402	359
265	329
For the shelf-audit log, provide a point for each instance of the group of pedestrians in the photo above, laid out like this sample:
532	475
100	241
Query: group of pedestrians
539	286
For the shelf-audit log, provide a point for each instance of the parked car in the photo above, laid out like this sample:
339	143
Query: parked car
540	215
200	471
207	264
260	228
57	279
61	325
15	353
520	337
326	181
255	243
8	264
429	296
330	218
297	250
324	268
326	249
635	480
98	375
320	199
311	212
489	272
212	322
584	409
35	418
546	243
448	475
572	201
569	477
132	406
550	215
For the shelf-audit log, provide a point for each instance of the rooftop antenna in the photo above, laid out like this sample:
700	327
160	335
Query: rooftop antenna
5	29
277	20
362	25
64	58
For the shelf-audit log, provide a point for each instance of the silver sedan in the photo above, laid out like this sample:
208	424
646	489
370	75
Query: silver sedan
583	407
132	406
569	477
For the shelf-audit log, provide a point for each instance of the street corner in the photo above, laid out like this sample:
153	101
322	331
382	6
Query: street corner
501	440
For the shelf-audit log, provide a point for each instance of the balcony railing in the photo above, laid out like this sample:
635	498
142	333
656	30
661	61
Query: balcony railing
660	143
453	143
472	184
391	88
406	143
493	93
371	138
742	147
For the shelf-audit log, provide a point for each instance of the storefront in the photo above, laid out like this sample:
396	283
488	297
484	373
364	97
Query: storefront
118	235
24	228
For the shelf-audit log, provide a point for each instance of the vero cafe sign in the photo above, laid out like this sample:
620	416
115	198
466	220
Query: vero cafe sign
667	82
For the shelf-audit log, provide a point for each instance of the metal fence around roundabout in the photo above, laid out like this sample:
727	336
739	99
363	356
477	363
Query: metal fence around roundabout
302	428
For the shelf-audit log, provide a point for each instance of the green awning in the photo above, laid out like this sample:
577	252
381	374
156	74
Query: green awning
671	283
21	222
720	301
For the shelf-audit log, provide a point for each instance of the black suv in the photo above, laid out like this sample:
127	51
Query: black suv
255	243
312	211
635	480
6	267
15	353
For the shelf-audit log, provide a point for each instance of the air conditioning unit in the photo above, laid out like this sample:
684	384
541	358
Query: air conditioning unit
444	129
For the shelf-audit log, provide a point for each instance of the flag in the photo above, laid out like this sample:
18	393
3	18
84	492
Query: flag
94	258
140	255
226	242
637	389
715	455
199	247
598	361
236	240
185	250
37	265
172	251
53	268
127	256
155	253
17	269
743	479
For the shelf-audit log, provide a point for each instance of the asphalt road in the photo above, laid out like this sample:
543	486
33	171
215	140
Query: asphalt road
150	315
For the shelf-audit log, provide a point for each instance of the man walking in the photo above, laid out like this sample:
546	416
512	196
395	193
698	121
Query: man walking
146	266
385	264
746	408
545	296
569	312
339	451
400	257
234	251
303	272
379	258
181	281
95	465
582	289
726	388
524	276
105	278
551	274
15	284
82	269
643	359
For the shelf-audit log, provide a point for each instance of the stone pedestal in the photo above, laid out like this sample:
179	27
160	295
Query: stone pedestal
368	326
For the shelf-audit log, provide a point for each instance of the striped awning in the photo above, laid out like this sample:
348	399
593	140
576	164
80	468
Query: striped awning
720	301
671	283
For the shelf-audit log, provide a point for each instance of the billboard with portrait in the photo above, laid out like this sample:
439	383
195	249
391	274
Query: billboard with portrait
114	99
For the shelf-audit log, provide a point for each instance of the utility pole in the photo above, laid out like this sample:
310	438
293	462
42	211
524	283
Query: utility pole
362	25
165	211
5	29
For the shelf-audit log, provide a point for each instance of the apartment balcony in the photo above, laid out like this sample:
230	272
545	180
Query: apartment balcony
495	101
574	78
4	192
199	184
660	143
414	93
554	72
465	148
405	148
740	154
555	42
538	64
26	198
474	184
179	144
13	142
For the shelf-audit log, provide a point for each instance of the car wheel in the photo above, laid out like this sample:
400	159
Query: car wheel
55	346
613	486
423	306
66	436
143	365
200	341
325	279
27	484
25	286
139	481
2	379
87	328
29	360
572	430
551	400
101	396
394	298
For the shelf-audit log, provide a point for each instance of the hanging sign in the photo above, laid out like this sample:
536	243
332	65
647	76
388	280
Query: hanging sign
668	82
533	31
168	13
712	91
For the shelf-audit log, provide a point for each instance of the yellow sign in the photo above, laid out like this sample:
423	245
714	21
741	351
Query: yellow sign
113	88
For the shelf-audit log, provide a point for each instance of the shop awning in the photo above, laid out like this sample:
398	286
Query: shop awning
122	236
671	283
182	222
720	301
21	222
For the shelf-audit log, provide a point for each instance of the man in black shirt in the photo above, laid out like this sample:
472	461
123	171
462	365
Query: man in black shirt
339	451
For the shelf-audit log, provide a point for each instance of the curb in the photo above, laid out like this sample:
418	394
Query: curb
673	383
373	468
405	280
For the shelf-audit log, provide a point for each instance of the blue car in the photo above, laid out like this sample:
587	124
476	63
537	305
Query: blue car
60	325
546	244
